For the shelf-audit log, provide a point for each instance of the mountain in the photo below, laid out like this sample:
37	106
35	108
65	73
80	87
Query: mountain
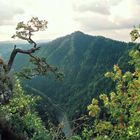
84	59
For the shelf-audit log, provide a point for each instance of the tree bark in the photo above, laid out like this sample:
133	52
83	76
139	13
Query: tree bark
14	53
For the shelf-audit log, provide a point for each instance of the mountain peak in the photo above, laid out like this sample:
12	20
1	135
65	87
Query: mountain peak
77	33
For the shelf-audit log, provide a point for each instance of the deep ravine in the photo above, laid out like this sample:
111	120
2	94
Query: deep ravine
61	115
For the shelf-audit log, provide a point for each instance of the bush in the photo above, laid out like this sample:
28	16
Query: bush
21	117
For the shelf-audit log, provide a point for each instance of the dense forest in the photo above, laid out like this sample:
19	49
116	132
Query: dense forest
83	59
63	100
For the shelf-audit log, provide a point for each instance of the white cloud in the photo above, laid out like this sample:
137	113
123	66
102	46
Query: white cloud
100	7
8	12
123	15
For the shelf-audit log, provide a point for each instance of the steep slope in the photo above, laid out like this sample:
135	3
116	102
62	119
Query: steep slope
84	60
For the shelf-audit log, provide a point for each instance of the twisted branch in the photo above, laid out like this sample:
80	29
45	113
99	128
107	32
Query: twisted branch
14	53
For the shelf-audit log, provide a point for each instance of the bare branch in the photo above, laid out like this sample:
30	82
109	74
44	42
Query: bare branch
14	53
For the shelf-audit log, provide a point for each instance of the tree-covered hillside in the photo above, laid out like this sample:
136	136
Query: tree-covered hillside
84	59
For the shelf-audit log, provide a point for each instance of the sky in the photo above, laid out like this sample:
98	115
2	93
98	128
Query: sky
110	18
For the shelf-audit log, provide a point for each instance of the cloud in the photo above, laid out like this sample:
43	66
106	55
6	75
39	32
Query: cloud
118	15
99	7
104	23
96	6
8	12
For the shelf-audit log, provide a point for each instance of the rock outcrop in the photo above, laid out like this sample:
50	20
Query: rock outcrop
5	85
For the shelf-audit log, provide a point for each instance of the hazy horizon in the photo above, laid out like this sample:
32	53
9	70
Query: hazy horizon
49	40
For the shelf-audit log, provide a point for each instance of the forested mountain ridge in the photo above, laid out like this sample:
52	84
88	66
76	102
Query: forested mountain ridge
84	59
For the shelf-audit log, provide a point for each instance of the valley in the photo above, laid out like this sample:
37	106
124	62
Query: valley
84	60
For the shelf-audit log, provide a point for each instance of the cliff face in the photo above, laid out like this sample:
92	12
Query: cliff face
5	85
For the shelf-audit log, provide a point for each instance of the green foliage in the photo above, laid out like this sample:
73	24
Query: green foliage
40	67
135	33
24	31
75	138
119	116
94	108
21	117
86	134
